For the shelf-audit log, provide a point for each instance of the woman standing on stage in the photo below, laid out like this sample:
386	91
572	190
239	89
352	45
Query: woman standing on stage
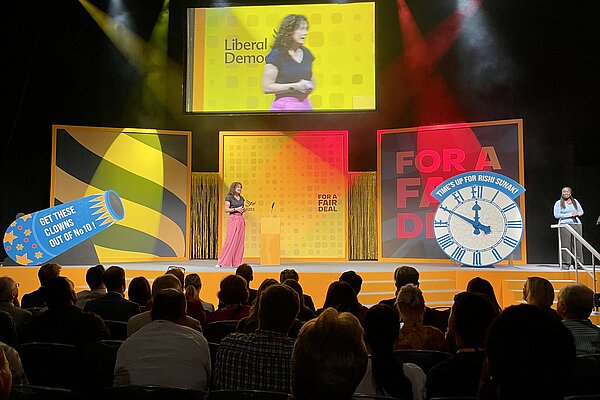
233	249
568	210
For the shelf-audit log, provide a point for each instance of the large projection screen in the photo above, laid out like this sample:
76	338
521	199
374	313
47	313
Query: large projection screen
229	47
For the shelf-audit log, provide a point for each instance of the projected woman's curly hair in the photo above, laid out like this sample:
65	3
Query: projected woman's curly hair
283	36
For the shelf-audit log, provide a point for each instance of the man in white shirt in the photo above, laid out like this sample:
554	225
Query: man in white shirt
164	352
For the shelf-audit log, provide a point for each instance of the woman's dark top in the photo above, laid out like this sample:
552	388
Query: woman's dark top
290	71
233	203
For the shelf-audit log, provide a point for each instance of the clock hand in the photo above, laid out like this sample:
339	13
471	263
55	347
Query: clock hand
476	224
476	208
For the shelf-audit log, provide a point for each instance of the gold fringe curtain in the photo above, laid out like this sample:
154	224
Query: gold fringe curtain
204	211
362	215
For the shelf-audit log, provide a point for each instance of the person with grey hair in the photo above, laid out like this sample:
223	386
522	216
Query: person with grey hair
575	304
9	302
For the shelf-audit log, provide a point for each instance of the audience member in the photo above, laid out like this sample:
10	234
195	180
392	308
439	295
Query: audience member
232	295
5	377
292	274
484	288
14	365
37	298
62	322
178	272
113	306
539	292
93	277
385	375
195	281
166	281
305	313
524	347
250	323
414	334
404	275
9	302
459	376
261	360
342	297
139	292
165	352
575	304
355	281
329	358
195	308
245	271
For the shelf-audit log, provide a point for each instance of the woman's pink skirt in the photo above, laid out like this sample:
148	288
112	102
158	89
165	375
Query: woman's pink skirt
291	104
233	249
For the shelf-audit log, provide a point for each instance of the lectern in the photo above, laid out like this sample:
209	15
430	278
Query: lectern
270	241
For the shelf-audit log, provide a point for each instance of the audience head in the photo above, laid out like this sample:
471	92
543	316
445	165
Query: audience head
538	292
170	305
166	281
139	291
294	284
329	359
233	290
485	288
60	292
410	303
47	272
114	279
9	289
178	272
342	297
382	328
524	346
279	306
353	279
193	283
404	275
263	286
245	271
575	301
93	277
288	274
471	316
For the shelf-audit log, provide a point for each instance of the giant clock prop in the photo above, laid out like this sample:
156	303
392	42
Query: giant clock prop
478	223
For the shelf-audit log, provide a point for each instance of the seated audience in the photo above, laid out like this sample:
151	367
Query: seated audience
62	322
355	281
342	297
329	358
195	281
178	272
250	323
5	377
195	308
139	292
113	306
9	302
37	298
484	288
404	275
232	295
575	305
166	281
292	274
305	313
93	277
525	348
539	292
385	375
261	360
14	365
414	334
245	271
459	376
165	352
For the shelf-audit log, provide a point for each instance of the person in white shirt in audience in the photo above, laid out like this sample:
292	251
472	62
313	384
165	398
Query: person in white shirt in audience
165	352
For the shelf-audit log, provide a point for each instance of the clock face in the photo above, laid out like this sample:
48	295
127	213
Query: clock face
478	225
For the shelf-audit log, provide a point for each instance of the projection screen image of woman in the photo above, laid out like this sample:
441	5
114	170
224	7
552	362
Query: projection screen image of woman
288	71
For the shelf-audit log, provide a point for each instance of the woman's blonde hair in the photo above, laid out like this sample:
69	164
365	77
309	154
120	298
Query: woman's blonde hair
410	301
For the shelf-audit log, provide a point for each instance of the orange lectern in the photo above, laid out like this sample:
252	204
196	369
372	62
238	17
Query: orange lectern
270	241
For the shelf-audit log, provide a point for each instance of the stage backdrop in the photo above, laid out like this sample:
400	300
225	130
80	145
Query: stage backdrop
151	172
300	177
413	161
